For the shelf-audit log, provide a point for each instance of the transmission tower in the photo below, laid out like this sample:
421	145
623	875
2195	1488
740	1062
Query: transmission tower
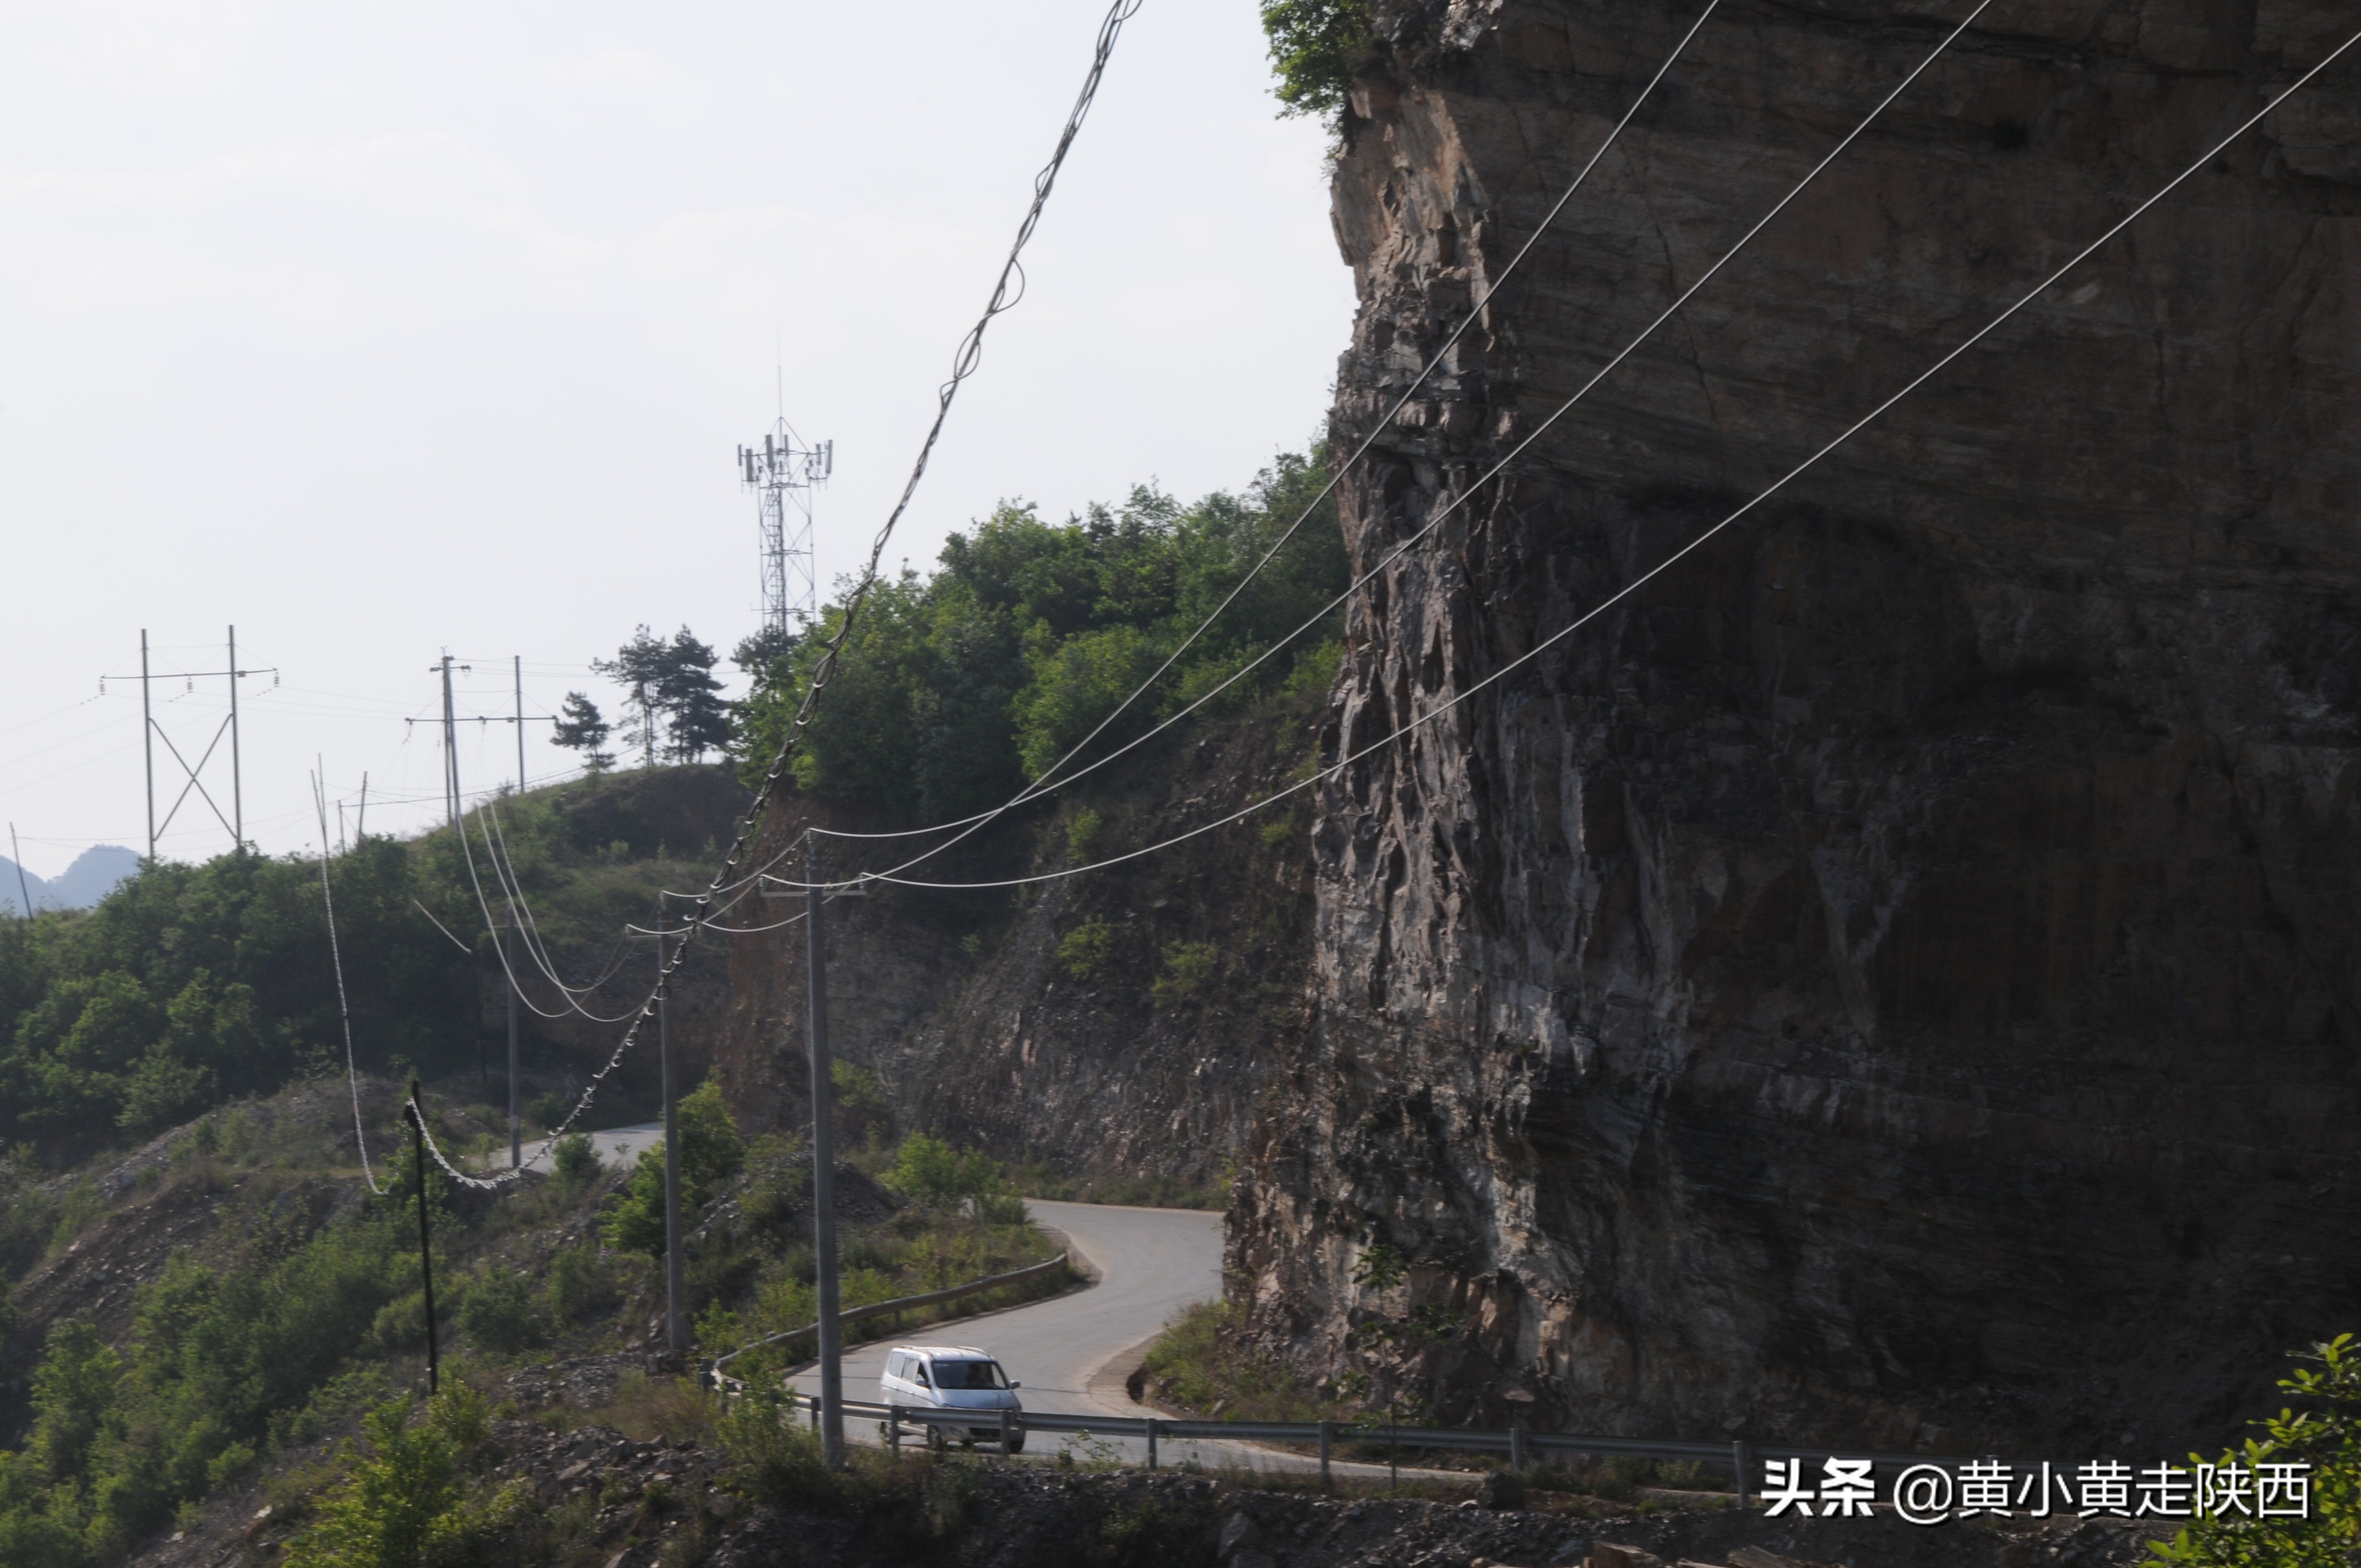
783	474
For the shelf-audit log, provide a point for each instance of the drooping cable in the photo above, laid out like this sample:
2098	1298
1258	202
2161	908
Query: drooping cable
343	1006
1636	583
1469	491
1048	782
963	365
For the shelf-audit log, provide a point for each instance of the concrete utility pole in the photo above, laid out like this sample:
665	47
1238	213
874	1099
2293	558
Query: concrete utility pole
450	751
516	1138
676	1288
831	1361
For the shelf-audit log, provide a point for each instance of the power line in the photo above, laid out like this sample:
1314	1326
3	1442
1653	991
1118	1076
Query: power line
1434	522
1668	562
1035	788
963	365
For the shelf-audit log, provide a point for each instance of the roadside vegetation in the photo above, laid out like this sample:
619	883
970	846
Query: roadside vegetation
958	688
293	1315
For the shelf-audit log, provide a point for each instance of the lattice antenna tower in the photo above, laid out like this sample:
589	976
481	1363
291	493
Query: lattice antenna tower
784	474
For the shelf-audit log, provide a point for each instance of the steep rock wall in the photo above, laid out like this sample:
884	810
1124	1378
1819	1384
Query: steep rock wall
1892	980
976	1024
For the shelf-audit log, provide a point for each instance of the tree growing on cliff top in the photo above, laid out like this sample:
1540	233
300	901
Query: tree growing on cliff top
1316	46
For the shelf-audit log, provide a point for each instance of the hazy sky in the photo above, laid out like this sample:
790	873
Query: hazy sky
380	330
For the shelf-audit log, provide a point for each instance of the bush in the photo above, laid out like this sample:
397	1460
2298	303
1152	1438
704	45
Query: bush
2325	1434
1085	948
576	1162
771	1457
581	1286
710	1151
1188	968
929	1171
501	1315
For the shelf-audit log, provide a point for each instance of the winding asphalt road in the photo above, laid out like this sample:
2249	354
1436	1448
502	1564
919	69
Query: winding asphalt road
1071	1352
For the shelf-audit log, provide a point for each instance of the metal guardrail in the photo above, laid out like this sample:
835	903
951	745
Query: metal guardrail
713	1370
1519	1445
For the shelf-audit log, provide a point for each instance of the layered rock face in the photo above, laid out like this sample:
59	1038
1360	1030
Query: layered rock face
987	1023
1892	980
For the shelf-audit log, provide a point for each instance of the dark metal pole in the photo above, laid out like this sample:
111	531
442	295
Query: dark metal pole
237	782
831	1365
675	1331
147	740
426	1238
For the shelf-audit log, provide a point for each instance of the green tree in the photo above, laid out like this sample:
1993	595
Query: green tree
710	1153
696	718
581	729
2322	1431
393	1504
1316	46
73	1394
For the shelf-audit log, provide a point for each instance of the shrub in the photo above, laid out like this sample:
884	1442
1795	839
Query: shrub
710	1151
1085	948
576	1163
501	1315
1188	968
581	1284
386	1513
769	1456
2326	1434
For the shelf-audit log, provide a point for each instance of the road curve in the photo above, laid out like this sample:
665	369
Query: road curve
1150	1263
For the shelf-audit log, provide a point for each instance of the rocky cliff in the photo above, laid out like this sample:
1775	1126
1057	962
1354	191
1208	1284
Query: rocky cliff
1891	980
1050	1024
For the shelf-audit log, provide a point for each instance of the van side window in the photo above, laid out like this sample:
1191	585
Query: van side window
894	1365
919	1375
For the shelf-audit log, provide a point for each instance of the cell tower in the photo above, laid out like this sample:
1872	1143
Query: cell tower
784	473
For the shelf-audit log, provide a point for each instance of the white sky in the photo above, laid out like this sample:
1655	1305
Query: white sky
376	330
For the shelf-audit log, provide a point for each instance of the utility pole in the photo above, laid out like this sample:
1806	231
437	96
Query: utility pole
676	1287
16	859
832	1361
148	742
516	1138
426	1237
237	784
450	750
360	824
151	730
519	661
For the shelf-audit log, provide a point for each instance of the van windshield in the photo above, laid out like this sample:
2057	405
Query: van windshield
968	1375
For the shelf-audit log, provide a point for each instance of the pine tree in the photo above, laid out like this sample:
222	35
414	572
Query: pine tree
582	728
696	718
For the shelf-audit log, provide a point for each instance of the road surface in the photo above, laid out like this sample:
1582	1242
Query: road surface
1151	1264
614	1146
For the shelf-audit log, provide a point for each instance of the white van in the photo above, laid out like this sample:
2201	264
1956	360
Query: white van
951	1378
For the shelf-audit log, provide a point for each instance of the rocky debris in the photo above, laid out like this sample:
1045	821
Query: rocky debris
580	1383
645	1493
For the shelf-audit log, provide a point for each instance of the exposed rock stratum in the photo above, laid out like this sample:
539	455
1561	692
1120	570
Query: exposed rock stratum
1891	980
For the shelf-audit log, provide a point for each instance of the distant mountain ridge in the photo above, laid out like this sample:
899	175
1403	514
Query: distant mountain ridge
93	875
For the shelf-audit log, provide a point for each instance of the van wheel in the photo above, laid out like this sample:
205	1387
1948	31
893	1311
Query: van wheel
1016	1442
935	1440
